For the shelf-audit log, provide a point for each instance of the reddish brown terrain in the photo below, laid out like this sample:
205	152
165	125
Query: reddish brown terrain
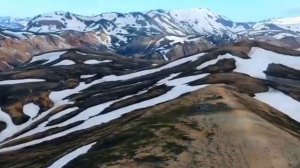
17	48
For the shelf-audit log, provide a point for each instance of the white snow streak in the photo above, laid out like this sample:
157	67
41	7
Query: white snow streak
18	81
90	62
71	156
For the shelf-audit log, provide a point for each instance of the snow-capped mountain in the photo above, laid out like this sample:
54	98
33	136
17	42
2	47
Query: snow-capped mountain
56	21
124	27
198	21
13	23
203	21
287	21
292	23
161	34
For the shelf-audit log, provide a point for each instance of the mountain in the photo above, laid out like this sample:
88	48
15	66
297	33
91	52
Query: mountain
18	47
13	23
198	21
125	29
288	23
231	106
167	35
154	35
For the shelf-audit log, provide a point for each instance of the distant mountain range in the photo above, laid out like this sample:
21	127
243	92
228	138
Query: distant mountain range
198	21
14	23
162	35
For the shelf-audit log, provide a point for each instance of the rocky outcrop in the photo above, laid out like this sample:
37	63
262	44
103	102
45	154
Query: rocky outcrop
285	79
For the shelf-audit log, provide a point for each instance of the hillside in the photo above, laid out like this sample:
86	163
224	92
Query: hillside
231	106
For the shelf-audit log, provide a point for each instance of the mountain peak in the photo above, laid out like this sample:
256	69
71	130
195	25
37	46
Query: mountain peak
198	11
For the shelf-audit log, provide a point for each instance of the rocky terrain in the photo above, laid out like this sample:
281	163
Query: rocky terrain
154	35
17	48
233	106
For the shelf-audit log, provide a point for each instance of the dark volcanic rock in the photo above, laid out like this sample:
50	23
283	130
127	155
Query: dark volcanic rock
285	79
281	71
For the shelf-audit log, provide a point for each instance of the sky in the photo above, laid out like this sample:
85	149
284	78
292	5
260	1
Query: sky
236	10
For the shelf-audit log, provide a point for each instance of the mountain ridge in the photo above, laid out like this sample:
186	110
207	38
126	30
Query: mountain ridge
123	28
162	35
226	107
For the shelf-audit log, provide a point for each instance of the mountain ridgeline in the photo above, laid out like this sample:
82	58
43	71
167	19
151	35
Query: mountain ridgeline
165	35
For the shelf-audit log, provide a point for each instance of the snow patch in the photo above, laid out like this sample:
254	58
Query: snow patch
259	62
65	62
87	76
48	57
31	110
91	62
71	156
282	102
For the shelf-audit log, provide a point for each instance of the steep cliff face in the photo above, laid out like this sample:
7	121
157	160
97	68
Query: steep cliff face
233	106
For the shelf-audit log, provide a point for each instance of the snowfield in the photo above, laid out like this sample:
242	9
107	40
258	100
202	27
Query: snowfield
31	110
282	102
260	59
